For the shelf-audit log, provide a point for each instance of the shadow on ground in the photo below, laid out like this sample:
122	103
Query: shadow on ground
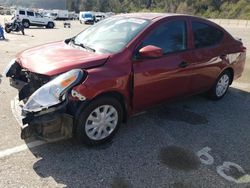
140	155
40	28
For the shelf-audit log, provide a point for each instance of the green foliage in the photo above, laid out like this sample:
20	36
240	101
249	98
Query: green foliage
206	8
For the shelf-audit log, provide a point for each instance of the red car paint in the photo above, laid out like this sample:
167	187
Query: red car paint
142	82
55	58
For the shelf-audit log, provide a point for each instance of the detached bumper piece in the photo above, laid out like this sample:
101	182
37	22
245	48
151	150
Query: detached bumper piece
17	112
46	125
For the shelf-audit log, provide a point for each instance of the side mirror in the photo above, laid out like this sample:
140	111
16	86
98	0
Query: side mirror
151	51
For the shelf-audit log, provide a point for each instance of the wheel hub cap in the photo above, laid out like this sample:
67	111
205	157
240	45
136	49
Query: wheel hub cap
222	85
101	122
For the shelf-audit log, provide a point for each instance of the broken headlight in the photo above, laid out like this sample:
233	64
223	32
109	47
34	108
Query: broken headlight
54	92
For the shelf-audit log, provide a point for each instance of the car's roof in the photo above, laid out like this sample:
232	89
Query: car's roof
150	16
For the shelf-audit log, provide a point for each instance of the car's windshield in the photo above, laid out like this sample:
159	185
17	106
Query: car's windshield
87	15
111	35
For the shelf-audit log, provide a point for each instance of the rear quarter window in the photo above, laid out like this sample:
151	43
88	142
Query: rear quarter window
206	35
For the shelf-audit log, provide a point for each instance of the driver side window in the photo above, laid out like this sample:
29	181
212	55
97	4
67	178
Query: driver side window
38	15
170	36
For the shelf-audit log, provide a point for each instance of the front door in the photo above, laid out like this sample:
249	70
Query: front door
167	77
39	19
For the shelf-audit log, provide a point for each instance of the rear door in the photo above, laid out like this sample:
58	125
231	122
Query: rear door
167	77
31	17
208	55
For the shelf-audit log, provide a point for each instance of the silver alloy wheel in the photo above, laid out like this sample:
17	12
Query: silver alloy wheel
101	122
222	85
26	24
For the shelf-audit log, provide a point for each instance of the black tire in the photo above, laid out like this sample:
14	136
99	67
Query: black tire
84	113
26	23
7	29
212	94
50	25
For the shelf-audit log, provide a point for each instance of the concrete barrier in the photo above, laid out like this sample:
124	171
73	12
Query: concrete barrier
232	22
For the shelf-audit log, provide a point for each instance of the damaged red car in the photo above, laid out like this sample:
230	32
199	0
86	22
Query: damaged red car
88	85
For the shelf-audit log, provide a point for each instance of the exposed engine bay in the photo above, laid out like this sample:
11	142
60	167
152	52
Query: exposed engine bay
47	122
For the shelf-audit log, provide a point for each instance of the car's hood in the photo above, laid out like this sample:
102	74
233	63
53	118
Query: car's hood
55	58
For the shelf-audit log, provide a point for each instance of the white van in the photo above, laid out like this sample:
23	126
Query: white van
87	18
32	18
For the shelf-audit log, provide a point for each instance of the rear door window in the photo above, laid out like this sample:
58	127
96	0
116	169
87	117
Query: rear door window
22	12
205	35
170	36
30	13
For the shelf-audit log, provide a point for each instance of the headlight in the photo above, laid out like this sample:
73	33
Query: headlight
53	92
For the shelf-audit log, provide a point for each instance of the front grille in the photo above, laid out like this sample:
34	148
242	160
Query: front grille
34	81
29	82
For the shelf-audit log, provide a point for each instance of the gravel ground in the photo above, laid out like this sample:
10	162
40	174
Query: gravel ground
158	148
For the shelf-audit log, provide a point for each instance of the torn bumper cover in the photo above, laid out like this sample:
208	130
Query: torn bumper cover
41	106
48	124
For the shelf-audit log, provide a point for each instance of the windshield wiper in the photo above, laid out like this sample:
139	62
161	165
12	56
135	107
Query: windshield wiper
86	47
82	45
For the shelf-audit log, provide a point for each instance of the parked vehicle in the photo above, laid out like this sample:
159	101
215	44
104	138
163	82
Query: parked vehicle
89	84
61	14
14	26
87	18
51	15
73	16
99	17
32	18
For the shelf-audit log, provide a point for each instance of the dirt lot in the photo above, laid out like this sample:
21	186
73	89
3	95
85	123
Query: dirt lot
159	148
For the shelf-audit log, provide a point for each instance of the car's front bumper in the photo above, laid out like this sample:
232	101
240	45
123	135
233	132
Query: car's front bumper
49	122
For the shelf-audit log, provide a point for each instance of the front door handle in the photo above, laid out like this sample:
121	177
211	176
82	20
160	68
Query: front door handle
183	64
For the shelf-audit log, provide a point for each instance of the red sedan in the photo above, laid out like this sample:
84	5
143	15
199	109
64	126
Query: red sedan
88	85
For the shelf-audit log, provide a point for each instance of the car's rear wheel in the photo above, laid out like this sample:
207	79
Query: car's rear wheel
26	23
99	121
221	86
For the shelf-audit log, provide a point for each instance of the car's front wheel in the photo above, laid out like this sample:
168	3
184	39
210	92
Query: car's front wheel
221	86
50	25
99	121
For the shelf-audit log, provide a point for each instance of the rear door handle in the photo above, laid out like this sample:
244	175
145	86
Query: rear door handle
183	64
